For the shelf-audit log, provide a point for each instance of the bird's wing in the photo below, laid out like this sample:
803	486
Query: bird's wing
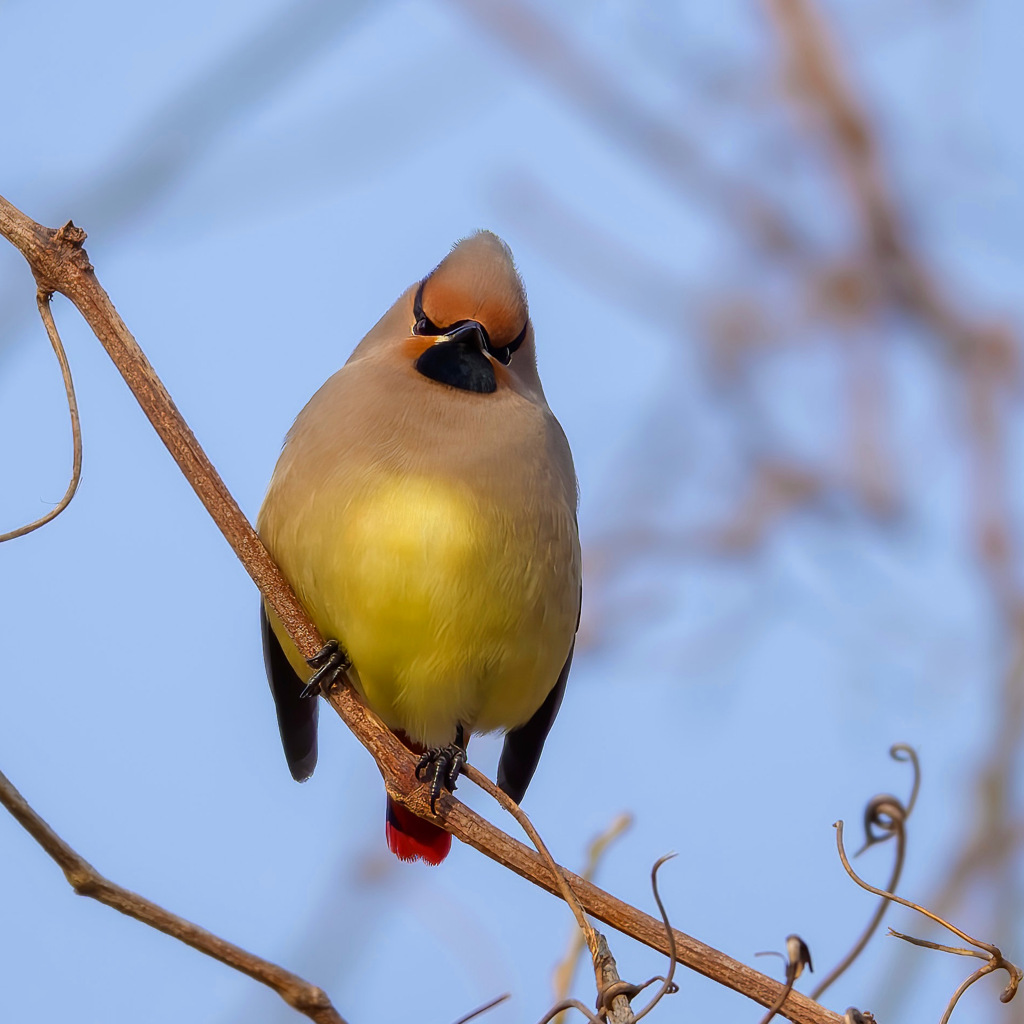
296	716
521	752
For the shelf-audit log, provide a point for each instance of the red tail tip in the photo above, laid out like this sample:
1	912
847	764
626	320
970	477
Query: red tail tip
412	838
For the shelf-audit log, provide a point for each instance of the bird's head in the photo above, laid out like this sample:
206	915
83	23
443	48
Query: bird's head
469	322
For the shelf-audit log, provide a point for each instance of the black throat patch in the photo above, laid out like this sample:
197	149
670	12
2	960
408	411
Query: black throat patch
458	364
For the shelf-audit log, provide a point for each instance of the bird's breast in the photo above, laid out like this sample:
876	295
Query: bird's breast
456	603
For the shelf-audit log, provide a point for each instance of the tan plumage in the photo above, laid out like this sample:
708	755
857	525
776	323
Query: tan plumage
431	528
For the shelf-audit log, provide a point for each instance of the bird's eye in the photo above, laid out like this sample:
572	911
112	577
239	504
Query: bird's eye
423	324
504	354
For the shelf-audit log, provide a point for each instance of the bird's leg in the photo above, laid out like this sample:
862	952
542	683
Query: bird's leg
329	663
447	763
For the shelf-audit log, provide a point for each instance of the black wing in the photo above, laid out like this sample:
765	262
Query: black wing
522	748
296	716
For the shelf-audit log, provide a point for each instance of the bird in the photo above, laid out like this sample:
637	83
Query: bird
424	509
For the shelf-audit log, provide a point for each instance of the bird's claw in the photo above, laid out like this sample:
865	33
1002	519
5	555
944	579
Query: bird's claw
329	662
447	763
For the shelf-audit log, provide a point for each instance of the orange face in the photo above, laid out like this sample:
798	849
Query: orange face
476	281
488	322
472	313
444	302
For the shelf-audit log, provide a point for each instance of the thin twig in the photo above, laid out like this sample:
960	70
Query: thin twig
569	1004
483	1009
308	999
891	896
965	985
605	971
43	302
995	963
874	922
928	944
589	932
668	985
783	996
798	956
566	970
614	989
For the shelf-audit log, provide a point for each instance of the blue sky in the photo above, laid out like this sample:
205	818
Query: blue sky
259	182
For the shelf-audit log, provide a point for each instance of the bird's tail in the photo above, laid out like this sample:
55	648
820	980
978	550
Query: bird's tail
412	838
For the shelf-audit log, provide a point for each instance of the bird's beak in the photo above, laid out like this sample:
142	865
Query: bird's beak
468	333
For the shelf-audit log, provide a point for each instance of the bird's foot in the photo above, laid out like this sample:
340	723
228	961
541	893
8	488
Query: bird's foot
329	663
442	765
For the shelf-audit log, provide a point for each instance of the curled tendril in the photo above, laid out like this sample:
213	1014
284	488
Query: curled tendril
905	752
43	302
995	961
668	987
885	817
625	988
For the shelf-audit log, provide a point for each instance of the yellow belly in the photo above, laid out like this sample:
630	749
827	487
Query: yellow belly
452	612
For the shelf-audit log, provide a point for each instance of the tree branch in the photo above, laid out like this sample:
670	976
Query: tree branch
87	881
60	264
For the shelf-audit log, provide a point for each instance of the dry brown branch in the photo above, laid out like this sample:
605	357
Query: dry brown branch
995	959
43	302
309	1000
60	264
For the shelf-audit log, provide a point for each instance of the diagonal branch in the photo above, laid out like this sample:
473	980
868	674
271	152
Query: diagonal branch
87	881
60	264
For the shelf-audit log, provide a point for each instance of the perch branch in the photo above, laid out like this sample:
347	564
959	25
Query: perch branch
60	264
